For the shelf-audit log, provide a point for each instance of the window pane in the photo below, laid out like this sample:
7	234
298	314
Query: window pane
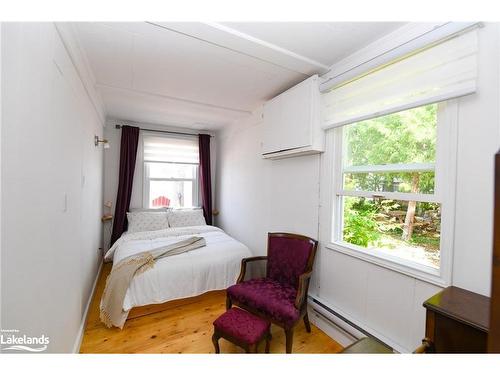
408	230
403	182
175	194
400	138
171	170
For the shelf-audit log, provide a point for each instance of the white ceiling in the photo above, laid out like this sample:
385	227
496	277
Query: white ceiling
325	42
207	75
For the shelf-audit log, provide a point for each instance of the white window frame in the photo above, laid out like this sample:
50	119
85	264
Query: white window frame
444	193
147	180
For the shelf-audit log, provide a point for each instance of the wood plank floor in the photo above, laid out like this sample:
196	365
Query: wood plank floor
184	328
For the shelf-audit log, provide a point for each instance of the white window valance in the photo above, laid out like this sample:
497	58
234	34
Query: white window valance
444	71
171	149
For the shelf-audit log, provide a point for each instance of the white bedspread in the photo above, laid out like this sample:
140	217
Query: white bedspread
212	267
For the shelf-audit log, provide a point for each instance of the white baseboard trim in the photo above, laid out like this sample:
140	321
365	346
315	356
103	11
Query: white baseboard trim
79	336
340	329
328	326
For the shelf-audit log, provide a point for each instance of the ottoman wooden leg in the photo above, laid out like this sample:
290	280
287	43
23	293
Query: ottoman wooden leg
233	326
215	340
307	324
289	340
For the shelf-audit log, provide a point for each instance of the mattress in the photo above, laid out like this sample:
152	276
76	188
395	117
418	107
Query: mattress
215	266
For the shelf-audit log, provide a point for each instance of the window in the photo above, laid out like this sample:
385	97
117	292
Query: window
392	187
394	156
170	171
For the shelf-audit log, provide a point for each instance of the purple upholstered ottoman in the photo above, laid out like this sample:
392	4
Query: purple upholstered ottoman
241	328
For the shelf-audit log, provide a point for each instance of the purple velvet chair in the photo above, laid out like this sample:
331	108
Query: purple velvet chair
281	296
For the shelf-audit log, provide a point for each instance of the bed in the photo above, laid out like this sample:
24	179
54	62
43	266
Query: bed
212	267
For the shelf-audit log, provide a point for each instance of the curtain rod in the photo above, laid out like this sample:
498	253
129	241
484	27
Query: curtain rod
117	126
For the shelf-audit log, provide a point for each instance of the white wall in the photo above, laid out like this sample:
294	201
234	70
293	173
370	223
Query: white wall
1	83
51	187
478	141
256	196
112	165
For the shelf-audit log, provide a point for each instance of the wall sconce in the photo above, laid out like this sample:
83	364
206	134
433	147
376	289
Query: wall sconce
108	205
103	141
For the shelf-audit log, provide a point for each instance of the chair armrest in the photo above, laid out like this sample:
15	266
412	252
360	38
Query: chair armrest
302	289
244	262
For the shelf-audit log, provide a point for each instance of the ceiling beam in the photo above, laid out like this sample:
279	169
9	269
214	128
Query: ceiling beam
173	98
236	41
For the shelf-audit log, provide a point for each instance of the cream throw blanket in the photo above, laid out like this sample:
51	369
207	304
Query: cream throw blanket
121	275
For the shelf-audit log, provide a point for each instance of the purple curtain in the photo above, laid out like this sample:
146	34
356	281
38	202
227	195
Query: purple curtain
128	155
205	176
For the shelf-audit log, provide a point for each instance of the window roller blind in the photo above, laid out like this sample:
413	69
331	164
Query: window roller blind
447	70
170	149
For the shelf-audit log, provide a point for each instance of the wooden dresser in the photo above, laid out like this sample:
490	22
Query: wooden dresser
457	321
494	334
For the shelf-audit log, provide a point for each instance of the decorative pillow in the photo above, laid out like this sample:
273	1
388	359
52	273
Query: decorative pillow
186	217
143	221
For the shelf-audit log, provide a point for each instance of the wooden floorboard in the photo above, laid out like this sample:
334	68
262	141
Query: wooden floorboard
183	328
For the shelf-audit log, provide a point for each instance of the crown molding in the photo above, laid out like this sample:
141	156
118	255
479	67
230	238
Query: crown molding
80	61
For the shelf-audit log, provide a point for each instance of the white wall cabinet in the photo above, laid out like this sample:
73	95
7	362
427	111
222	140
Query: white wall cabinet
292	122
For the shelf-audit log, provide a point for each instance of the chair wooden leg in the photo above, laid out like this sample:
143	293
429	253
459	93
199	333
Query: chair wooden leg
268	342
229	303
289	340
251	349
307	324
215	340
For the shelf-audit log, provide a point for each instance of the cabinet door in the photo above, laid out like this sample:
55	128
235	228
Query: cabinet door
288	119
273	131
296	117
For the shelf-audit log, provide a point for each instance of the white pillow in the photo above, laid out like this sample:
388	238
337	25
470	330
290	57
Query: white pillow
143	221
186	218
